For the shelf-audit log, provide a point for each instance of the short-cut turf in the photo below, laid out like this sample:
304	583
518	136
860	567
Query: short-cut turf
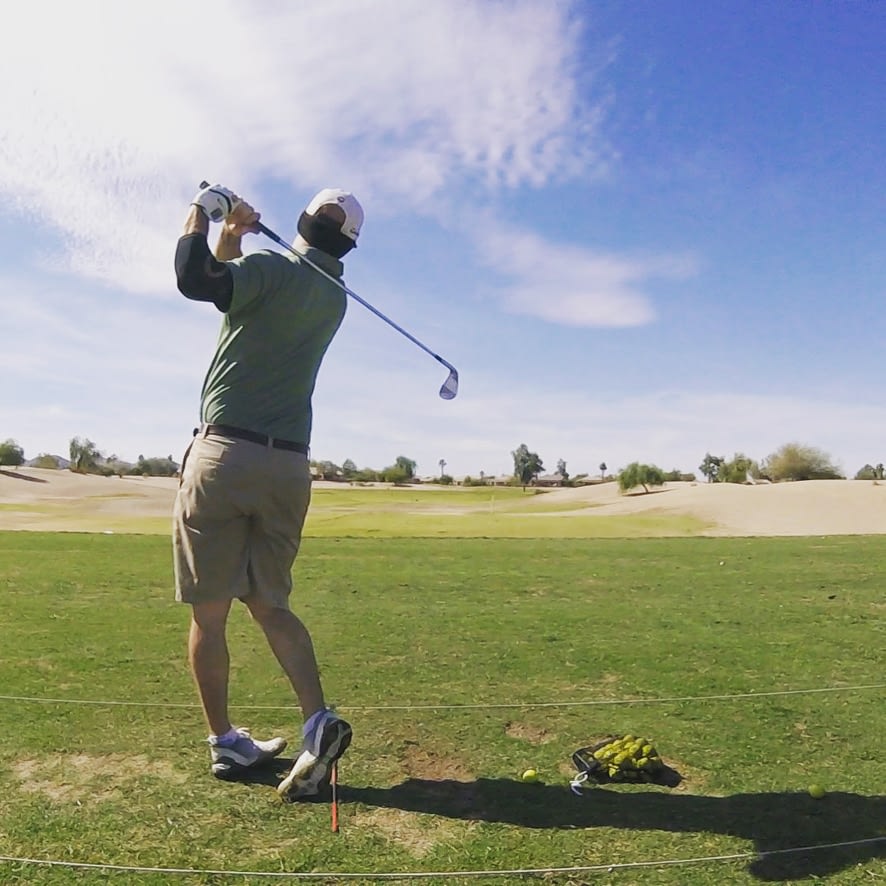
401	625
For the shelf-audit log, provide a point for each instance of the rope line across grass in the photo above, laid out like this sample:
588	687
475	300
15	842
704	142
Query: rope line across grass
455	707
349	875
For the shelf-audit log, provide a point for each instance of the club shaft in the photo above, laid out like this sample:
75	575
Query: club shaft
449	388
279	240
334	785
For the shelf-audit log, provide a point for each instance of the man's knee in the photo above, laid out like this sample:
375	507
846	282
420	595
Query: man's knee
265	611
210	615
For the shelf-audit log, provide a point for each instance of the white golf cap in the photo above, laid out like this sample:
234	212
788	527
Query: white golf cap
347	202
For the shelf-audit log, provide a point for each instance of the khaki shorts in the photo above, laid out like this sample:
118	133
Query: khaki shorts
238	520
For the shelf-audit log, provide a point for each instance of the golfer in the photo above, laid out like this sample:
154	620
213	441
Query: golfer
245	478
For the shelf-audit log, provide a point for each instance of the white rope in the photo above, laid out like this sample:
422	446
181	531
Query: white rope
374	875
462	707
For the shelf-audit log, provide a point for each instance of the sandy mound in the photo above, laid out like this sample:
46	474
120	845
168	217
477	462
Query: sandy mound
813	507
30	498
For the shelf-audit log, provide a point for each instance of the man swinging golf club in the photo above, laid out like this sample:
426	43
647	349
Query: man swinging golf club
245	478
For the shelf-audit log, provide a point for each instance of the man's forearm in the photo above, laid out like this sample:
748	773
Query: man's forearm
228	245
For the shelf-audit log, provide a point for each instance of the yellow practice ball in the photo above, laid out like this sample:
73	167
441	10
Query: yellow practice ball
816	791
530	775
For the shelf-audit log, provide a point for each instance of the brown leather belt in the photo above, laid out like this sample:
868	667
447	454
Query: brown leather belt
253	437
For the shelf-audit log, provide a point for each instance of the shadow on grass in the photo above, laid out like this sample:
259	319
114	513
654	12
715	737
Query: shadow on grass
17	476
771	821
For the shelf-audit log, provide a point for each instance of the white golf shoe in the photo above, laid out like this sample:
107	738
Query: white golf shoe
321	747
244	753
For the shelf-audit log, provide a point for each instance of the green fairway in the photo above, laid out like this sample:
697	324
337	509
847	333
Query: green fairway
460	662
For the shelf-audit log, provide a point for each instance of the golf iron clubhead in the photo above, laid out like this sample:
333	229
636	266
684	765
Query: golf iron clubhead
449	388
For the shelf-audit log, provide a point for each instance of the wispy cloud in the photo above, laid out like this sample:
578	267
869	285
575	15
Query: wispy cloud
576	286
401	100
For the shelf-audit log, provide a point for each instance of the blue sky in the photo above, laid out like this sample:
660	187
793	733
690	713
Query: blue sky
641	231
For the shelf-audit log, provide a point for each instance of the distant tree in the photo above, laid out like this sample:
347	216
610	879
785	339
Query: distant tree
115	467
43	460
84	455
561	469
402	471
446	480
328	470
527	465
348	469
146	467
869	472
710	467
795	461
636	474
395	474
442	465
367	475
603	470
675	476
11	454
407	465
737	470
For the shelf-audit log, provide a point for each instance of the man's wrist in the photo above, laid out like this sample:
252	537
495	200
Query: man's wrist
197	221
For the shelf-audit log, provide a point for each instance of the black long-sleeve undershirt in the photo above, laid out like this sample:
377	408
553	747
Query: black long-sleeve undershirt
200	275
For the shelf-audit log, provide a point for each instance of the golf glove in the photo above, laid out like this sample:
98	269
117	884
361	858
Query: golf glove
217	202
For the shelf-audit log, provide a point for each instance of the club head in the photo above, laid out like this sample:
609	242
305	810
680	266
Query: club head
450	386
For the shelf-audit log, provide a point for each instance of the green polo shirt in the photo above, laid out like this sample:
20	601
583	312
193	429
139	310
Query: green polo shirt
282	317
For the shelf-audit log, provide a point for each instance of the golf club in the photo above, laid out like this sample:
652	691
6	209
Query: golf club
449	388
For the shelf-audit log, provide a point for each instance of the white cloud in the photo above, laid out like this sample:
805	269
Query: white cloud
112	112
573	285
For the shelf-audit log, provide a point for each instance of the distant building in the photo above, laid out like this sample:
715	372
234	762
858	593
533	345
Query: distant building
548	480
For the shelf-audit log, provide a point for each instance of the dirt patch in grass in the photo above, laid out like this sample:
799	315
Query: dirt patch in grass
405	830
67	778
419	762
528	732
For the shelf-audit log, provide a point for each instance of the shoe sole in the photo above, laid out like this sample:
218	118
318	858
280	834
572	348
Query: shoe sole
305	780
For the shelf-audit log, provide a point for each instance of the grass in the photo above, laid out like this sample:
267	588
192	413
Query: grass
683	640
